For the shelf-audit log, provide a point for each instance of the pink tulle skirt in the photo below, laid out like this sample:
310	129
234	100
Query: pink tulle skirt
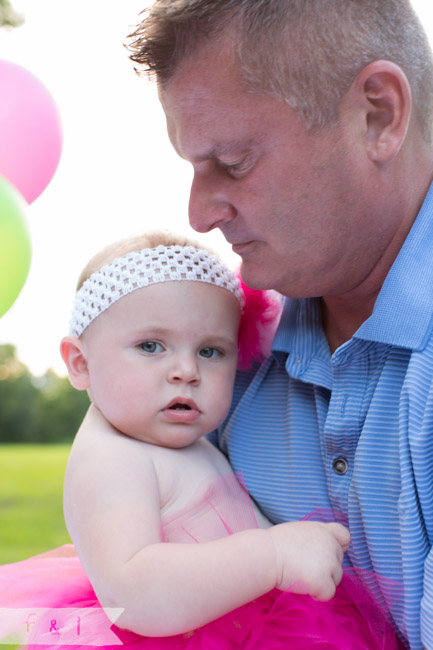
48	600
44	585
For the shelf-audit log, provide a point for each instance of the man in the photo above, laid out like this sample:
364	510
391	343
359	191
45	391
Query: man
309	127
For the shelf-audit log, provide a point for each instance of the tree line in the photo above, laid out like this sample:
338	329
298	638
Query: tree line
43	409
8	16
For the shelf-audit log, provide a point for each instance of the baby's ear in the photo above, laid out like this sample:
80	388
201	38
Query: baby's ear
71	349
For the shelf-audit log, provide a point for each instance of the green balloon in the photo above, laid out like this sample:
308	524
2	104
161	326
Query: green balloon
15	245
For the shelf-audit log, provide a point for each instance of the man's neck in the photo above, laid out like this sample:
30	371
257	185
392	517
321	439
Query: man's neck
342	315
342	318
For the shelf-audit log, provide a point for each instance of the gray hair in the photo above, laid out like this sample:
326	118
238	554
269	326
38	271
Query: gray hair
307	52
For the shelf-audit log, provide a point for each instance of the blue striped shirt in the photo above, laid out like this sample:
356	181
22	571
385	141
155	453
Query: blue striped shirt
352	432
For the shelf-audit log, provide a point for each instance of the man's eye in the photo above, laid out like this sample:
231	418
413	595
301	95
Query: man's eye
151	347
210	353
237	168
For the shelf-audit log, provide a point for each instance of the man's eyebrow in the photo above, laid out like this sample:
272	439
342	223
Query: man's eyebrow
221	149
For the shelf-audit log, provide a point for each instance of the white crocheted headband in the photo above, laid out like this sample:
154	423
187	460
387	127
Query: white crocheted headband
139	269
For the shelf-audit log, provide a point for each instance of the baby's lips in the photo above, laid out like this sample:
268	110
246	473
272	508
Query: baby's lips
182	401
182	410
180	415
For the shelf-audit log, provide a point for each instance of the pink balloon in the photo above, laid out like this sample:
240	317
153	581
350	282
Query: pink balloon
30	131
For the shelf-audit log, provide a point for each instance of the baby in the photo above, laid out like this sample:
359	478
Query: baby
154	339
161	525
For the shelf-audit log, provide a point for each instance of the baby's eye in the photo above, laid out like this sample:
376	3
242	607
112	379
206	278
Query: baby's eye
151	347
210	353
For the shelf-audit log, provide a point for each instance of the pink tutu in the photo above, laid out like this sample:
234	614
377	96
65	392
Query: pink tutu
44	588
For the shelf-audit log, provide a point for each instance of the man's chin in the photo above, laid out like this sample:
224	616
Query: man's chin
253	275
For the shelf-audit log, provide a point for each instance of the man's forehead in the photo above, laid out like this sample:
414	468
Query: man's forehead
191	92
205	75
186	100
198	136
209	127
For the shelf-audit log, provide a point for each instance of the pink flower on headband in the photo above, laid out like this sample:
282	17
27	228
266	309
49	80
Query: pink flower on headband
259	320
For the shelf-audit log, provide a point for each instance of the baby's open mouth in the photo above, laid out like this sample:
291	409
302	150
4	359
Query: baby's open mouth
182	411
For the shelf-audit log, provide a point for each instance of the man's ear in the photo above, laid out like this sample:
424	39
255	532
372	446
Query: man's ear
71	349
386	97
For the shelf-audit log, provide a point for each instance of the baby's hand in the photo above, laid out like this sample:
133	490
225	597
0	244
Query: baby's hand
309	555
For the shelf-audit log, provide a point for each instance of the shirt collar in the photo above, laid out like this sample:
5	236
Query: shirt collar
300	343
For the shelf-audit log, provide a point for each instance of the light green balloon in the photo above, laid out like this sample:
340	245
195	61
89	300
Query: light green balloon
15	245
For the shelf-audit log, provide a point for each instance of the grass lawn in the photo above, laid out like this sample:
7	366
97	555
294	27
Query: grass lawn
31	485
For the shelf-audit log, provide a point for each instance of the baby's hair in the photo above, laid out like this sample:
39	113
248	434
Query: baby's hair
137	243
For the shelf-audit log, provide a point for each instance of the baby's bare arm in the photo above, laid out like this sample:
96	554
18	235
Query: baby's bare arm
112	507
189	585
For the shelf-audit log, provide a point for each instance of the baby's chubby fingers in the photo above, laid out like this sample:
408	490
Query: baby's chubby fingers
341	534
308	556
327	588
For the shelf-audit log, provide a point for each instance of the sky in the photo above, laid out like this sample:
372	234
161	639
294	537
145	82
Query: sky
118	174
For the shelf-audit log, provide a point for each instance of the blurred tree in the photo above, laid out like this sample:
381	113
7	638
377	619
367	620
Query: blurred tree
17	398
36	409
63	408
8	16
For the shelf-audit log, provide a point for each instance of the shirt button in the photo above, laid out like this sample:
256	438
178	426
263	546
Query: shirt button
340	465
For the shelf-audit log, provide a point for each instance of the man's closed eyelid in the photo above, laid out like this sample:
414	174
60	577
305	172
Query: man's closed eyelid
239	168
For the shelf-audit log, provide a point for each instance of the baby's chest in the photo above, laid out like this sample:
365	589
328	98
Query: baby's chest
220	507
202	499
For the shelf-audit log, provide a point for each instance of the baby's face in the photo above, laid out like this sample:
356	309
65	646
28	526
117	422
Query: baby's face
162	361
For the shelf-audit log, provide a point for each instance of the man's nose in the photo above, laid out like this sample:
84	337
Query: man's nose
209	206
184	368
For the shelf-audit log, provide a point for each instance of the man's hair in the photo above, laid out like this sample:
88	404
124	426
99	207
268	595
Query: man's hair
136	243
307	52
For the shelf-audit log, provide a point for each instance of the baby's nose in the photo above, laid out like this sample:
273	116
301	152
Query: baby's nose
184	369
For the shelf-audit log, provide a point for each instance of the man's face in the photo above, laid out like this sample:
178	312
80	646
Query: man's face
289	201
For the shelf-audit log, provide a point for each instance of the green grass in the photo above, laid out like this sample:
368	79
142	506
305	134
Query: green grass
31	513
